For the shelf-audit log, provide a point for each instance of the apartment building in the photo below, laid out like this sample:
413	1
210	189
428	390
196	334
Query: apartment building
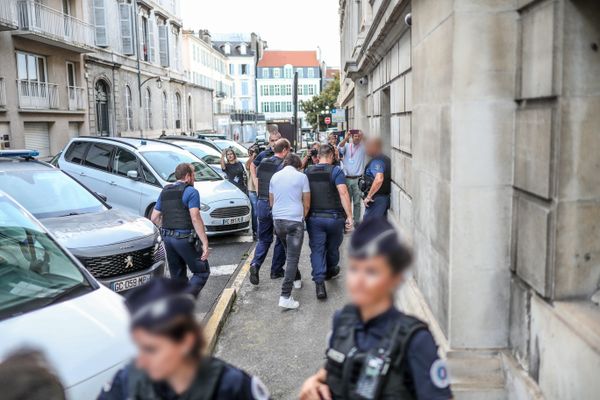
43	98
275	80
136	79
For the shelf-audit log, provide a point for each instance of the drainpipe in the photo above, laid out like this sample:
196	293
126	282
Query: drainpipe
139	69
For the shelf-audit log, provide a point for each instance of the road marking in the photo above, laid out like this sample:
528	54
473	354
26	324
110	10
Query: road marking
221	270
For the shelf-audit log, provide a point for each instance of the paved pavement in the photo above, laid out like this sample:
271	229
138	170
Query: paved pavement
281	347
227	253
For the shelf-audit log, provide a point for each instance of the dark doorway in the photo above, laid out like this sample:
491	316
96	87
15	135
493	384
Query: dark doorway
102	110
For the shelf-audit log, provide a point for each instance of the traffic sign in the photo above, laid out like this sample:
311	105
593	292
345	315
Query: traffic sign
327	120
338	115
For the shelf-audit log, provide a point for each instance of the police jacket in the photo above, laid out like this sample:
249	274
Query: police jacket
175	215
346	363
216	380
265	171
386	186
324	193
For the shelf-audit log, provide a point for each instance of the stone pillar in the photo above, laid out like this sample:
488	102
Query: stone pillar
360	106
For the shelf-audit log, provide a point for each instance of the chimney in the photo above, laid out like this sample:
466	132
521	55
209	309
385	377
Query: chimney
205	35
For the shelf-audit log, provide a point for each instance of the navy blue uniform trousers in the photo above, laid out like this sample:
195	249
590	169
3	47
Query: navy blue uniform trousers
378	207
180	252
265	238
325	236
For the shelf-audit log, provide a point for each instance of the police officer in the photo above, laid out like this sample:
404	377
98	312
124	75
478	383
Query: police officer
375	351
177	212
330	212
171	364
265	171
377	180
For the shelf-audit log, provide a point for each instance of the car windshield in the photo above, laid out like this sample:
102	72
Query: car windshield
165	162
34	271
49	193
238	149
205	153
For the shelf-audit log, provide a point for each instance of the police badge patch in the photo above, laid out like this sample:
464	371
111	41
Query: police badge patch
439	374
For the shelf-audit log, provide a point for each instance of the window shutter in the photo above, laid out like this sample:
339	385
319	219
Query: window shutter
126	28
151	26
163	45
100	23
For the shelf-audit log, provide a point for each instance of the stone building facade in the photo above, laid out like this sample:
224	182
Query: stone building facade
490	113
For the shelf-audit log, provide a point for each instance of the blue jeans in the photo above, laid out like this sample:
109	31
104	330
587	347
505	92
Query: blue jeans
265	238
325	235
180	253
291	234
253	199
379	207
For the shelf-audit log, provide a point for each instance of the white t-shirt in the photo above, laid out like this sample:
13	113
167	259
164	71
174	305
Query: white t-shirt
287	187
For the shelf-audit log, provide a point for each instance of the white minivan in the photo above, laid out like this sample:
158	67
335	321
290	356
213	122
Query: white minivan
132	172
50	303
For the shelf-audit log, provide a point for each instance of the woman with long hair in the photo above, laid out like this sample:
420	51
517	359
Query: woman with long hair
234	169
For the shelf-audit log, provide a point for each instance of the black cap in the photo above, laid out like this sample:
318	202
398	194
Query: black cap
158	302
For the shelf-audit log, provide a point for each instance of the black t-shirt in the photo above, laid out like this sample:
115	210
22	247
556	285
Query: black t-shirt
236	174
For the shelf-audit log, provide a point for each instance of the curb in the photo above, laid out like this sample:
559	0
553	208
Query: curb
217	319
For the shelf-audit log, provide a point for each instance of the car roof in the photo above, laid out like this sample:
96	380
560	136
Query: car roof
133	142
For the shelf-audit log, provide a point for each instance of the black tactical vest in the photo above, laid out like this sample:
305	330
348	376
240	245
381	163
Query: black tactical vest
345	361
204	387
265	171
175	215
324	194
386	186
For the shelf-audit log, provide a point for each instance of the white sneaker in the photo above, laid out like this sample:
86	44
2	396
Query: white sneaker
298	284
288	302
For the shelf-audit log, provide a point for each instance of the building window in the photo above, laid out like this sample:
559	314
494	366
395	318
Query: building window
265	73
226	48
265	90
245	105
245	69
265	107
244	88
242	49
128	108
288	90
300	72
165	111
311	73
277	106
148	109
288	71
276	72
102	118
232	69
177	111
277	89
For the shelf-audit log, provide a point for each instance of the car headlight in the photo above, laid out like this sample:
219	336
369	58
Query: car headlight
204	207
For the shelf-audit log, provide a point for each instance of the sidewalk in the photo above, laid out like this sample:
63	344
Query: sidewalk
283	348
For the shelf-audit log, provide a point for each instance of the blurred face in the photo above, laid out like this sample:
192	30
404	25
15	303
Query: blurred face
371	281
273	138
356	138
333	139
372	148
160	356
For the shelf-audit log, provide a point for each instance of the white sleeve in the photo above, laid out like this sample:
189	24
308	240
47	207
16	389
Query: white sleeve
305	184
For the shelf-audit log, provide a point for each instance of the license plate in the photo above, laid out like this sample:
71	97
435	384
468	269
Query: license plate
231	221
130	283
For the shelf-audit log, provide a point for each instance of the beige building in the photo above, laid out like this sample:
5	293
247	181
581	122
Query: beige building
490	112
43	99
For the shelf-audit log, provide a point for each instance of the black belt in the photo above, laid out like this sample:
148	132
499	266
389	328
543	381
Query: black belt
353	176
174	233
332	215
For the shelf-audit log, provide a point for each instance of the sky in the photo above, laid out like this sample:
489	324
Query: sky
284	24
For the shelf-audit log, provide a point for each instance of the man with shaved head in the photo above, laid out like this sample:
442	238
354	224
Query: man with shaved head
377	180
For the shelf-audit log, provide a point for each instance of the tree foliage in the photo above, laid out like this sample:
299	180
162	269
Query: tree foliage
327	98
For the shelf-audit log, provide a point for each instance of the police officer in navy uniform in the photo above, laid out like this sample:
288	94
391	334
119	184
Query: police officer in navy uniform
177	212
170	364
377	179
330	213
375	351
265	171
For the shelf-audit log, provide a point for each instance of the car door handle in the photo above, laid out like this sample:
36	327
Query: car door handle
112	183
82	174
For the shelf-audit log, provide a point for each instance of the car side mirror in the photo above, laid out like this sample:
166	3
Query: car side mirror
132	175
102	197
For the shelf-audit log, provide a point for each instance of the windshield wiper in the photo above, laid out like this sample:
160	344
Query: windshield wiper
71	292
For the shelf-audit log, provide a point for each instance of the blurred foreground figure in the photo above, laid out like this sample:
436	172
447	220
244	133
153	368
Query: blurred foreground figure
376	351
170	364
27	376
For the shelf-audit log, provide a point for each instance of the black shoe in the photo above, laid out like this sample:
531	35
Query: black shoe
254	237
277	275
332	273
253	275
321	291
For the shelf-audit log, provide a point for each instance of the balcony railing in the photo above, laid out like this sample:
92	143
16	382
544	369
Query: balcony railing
8	15
76	98
2	93
53	24
37	95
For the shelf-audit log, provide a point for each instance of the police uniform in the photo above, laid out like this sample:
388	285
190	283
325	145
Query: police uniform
159	302
326	220
174	203
391	356
381	199
267	165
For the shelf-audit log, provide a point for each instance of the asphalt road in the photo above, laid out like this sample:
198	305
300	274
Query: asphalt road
226	254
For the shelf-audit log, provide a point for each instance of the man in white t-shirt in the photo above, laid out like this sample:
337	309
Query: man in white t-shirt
289	195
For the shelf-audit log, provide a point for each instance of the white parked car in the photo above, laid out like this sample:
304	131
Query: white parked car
203	151
50	303
132	172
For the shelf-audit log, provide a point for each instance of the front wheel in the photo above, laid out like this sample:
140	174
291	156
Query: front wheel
149	210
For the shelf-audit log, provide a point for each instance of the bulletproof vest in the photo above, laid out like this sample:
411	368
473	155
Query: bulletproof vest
175	215
386	186
204	387
345	361
324	193
264	173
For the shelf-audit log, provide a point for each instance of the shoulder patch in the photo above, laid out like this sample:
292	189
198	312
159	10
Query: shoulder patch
439	374
259	390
